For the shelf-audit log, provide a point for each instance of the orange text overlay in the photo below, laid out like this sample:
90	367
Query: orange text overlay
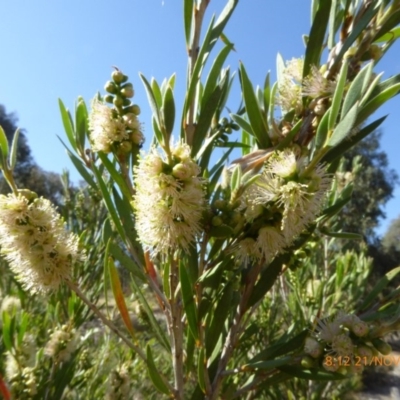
347	361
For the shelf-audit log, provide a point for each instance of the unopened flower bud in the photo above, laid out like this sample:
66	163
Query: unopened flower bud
127	92
220	204
137	137
109	98
110	87
125	147
119	77
217	221
181	171
375	52
307	362
118	101
28	194
364	351
313	347
383	347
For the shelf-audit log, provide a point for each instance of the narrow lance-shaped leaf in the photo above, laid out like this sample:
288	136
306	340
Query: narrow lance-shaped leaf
188	12
357	88
188	300
68	124
119	296
152	99
338	96
168	112
256	119
344	127
317	36
14	147
214	74
155	376
3	143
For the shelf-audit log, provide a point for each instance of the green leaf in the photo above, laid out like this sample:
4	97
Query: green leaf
391	35
342	147
152	99
359	27
155	325
188	300
155	376
343	235
157	131
80	167
338	96
3	143
257	120
332	23
357	88
222	310
109	204
389	31
281	347
14	148
68	124
322	130
344	127
7	331
214	74
376	102
268	364
267	93
157	92
125	260
201	369
81	121
236	177
267	279
115	175
23	325
205	118
223	19
188	11
317	37
380	285
168	110
312	374
242	123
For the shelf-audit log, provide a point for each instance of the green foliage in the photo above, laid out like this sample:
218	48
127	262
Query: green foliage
245	263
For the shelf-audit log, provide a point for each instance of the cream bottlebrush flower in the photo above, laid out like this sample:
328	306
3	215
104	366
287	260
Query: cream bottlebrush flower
299	199
169	200
119	384
63	342
10	304
316	85
328	330
270	241
105	126
290	86
34	241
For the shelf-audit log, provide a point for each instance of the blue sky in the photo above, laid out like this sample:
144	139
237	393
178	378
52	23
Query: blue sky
65	49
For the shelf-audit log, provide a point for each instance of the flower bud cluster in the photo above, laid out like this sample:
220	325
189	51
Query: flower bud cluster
344	337
280	204
293	87
63	342
36	244
118	128
169	200
20	369
119	384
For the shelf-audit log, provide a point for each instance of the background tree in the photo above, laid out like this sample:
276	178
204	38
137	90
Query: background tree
374	184
28	174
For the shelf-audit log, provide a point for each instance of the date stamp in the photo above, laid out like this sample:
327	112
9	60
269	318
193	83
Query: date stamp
358	361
